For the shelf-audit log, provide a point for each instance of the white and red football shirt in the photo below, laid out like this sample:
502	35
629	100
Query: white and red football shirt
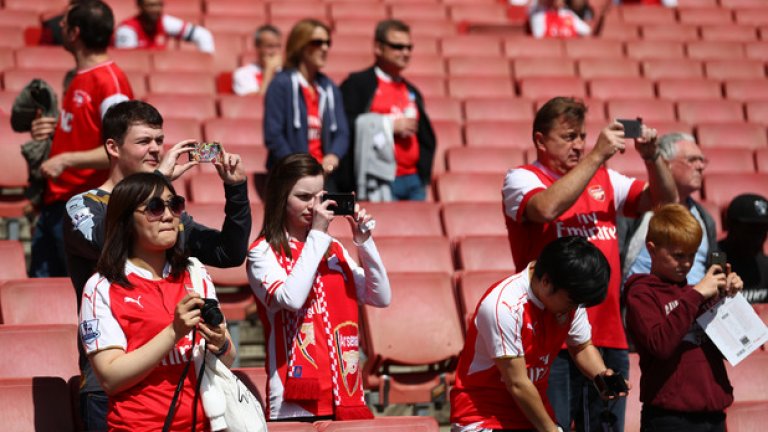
592	216
117	317
89	95
247	79
509	322
394	99
314	120
560	23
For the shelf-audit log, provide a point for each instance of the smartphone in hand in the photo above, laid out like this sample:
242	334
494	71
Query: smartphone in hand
345	203
632	128
611	385
205	152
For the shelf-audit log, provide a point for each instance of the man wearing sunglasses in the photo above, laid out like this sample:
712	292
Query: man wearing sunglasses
381	89
133	137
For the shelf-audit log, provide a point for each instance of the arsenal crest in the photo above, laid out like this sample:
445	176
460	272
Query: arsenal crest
345	337
597	193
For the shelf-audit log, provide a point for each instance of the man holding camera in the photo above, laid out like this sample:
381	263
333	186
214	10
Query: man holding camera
568	191
133	138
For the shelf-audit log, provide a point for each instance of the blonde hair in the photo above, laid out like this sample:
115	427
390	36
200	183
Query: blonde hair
300	35
674	225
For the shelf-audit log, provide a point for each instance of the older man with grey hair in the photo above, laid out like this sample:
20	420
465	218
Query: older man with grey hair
686	163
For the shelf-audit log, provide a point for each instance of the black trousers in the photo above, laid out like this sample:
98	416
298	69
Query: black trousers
655	419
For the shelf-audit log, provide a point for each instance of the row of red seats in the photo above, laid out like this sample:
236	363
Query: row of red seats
697	12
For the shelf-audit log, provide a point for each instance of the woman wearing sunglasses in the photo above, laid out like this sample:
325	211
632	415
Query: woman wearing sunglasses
140	308
309	290
303	108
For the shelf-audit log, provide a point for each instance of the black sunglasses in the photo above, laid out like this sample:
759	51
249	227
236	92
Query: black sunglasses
397	46
156	206
317	43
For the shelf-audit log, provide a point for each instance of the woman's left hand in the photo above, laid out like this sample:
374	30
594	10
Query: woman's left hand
361	232
215	336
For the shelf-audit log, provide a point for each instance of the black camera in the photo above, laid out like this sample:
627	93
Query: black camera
211	313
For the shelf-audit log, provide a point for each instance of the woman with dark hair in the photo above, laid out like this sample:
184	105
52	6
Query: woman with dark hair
309	289
303	108
140	309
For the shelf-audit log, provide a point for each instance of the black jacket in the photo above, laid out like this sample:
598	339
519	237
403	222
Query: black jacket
358	91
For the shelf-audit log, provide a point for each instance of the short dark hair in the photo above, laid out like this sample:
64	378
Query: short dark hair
577	266
126	197
96	22
572	109
281	179
384	27
262	29
120	116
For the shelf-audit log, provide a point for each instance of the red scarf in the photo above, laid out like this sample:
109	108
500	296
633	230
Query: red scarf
330	317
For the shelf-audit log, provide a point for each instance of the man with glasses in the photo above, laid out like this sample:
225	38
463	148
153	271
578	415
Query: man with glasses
402	124
133	138
686	163
255	77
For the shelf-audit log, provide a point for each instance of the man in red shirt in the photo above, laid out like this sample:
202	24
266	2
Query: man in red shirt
382	89
568	191
151	29
77	161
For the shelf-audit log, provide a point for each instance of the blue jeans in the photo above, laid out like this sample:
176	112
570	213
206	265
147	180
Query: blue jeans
48	242
408	188
574	397
93	410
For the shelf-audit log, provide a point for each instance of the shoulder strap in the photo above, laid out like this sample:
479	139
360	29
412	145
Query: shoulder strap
195	269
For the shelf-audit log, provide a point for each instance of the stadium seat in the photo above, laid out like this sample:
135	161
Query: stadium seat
670	33
138	81
421	326
483	159
351	10
38	301
751	15
448	134
729	160
7	60
734	69
473	219
720	189
729	33
466	187
613	30
628	163
234	132
758	50
19	18
485	253
444	108
44	57
462	66
689	89
254	158
608	68
635	14
742	3
242	25
296	10
196	107
182	83
699	111
500	108
648	50
430	86
488	13
713	50
403	218
37	403
241	107
538	88
761	158
430	27
747	416
207	188
466	87
529	47
16	79
650	110
471	45
425	64
47	350
182	61
761	309
472	285
747	90
417	254
14	38
743	377
13	178
176	130
593	48
132	60
236	8
732	135
384	424
229	46
413	10
628	88
13	262
539	67
704	16
504	134
282	426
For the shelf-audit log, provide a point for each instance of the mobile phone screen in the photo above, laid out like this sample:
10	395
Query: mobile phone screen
345	203
205	152
632	128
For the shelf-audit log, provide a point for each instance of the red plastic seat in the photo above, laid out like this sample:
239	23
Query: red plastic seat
46	350
634	407
650	110
734	69
282	426
426	64
182	61
747	416
483	159
629	88
485	253
498	109
729	33
651	49
705	16
761	157
233	24
472	285
13	178
713	50
540	67
418	254
613	30
464	187
132	60
747	89
403	218
234	132
510	135
19	18
468	67
538	88
732	135
44	57
689	89
206	188
448	134
13	261
475	46
751	15
429	86
236	8
39	6
669	33
628	163
593	48
473	219
412	10
464	87
36	404
241	107
17	79
38	301
699	111
489	13
423	301
529	47
744	378
430	27
720	189
444	108
176	130
608	68
758	50
742	3
730	160
182	83
384	424
297	10
672	68
635	14
197	107
351	10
